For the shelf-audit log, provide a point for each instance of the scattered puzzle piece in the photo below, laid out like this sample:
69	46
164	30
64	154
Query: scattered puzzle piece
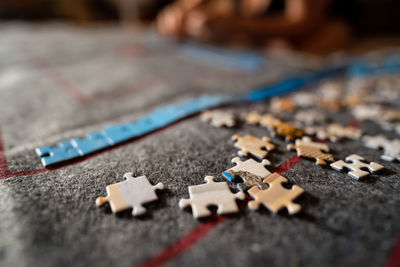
335	105
276	126
304	99
356	166
289	131
367	112
334	132
282	104
251	171
391	148
276	196
253	145
310	117
309	149
252	118
376	142
219	118
341	131
131	193
212	193
321	133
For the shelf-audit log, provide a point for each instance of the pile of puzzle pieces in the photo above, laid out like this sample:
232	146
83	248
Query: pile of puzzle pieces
367	98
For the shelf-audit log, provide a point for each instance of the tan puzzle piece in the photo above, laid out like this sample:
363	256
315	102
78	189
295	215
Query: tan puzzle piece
356	165
131	193
289	131
269	121
282	104
341	131
276	196
219	118
252	118
309	149
253	145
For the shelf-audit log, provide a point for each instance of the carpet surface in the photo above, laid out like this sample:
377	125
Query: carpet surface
59	82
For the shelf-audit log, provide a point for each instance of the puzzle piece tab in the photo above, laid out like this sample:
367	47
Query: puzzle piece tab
275	197
212	193
131	193
356	166
250	144
219	118
309	149
251	171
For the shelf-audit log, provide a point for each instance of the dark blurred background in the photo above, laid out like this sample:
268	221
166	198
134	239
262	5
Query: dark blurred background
309	25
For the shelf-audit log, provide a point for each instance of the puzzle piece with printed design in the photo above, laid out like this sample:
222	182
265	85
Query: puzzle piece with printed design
280	128
391	148
251	172
211	194
275	197
356	166
255	146
219	118
309	149
131	193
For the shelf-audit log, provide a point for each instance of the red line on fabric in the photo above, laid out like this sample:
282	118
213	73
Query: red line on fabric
75	92
199	232
394	257
3	159
60	80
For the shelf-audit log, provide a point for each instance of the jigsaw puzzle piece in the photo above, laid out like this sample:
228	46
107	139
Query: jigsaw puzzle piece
219	118
211	194
250	144
356	166
131	193
251	172
91	143
275	197
63	151
309	149
341	131
391	148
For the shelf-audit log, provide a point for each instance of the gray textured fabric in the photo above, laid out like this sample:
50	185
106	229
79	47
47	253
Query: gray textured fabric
50	219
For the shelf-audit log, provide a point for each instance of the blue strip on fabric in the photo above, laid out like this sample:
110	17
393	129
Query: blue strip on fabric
115	134
246	61
161	117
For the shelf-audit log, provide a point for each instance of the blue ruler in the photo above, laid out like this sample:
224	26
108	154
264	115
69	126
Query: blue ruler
163	116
